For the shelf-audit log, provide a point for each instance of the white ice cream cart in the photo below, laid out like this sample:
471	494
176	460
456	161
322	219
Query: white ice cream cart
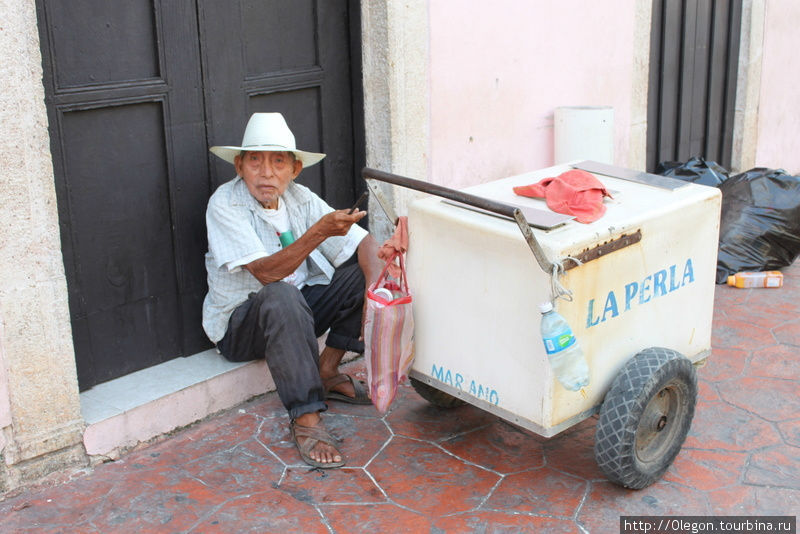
642	292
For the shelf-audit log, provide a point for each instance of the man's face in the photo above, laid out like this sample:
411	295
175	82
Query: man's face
267	174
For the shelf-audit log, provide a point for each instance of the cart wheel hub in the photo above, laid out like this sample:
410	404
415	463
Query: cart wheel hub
661	423
655	433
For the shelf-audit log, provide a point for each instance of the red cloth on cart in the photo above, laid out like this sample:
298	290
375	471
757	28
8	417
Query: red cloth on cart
574	192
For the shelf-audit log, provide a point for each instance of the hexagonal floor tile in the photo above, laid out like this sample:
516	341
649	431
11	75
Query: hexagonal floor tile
267	511
490	521
500	447
417	418
268	405
208	437
326	486
763	310
607	503
790	431
157	500
776	466
779	361
345	518
754	500
706	470
706	392
735	333
717	425
539	491
573	451
771	398
425	478
248	468
723	364
63	507
788	333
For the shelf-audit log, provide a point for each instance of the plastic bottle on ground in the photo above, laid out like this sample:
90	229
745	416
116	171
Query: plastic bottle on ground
565	355
747	279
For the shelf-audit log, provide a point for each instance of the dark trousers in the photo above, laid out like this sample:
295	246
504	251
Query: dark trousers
281	324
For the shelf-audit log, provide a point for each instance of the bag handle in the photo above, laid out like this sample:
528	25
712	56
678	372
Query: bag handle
403	277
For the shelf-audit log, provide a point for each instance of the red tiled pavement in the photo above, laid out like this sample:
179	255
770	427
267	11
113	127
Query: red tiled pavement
424	469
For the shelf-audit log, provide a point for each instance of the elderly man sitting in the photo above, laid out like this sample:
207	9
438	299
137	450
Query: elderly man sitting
283	268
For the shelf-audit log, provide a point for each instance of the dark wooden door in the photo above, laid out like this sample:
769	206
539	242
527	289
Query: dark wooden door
136	92
694	52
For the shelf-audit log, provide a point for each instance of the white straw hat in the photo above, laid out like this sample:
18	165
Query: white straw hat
267	132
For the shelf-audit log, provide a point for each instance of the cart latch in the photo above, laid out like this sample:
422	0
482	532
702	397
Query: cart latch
605	249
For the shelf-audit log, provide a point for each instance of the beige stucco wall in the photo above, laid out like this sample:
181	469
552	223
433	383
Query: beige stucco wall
396	97
40	420
779	97
748	86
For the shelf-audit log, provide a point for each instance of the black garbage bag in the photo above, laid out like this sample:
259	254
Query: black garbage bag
760	226
697	170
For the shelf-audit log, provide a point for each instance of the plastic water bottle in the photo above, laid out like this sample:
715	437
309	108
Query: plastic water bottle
563	351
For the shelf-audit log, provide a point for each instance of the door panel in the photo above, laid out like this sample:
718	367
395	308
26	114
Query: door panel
121	209
95	43
272	19
119	202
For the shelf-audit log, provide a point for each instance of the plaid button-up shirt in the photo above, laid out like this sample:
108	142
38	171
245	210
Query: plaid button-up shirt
239	232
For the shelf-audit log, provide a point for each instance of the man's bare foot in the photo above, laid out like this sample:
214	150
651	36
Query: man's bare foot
314	442
345	388
332	383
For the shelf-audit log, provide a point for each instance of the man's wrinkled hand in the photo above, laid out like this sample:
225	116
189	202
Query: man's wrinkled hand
339	222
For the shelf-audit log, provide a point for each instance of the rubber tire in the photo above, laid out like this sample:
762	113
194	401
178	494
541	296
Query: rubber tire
435	396
630	446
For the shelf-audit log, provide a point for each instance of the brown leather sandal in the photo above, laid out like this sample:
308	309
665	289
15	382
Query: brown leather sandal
359	387
314	435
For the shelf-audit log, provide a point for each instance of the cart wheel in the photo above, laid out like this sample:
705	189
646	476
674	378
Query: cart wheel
435	396
645	417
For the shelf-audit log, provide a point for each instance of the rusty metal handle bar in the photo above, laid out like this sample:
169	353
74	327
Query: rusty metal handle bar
471	200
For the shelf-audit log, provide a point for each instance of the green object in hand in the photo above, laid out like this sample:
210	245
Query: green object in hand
286	238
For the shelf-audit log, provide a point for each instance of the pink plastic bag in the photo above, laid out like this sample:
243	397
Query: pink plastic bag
388	336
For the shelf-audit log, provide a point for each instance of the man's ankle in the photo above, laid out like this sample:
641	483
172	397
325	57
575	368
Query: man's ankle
308	419
326	373
329	359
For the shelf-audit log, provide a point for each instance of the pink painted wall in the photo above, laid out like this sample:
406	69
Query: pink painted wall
779	100
499	69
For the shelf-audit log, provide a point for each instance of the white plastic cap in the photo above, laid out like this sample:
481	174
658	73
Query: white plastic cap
385	293
545	307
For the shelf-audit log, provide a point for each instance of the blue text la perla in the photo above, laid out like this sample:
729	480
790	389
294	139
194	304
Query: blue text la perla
638	293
